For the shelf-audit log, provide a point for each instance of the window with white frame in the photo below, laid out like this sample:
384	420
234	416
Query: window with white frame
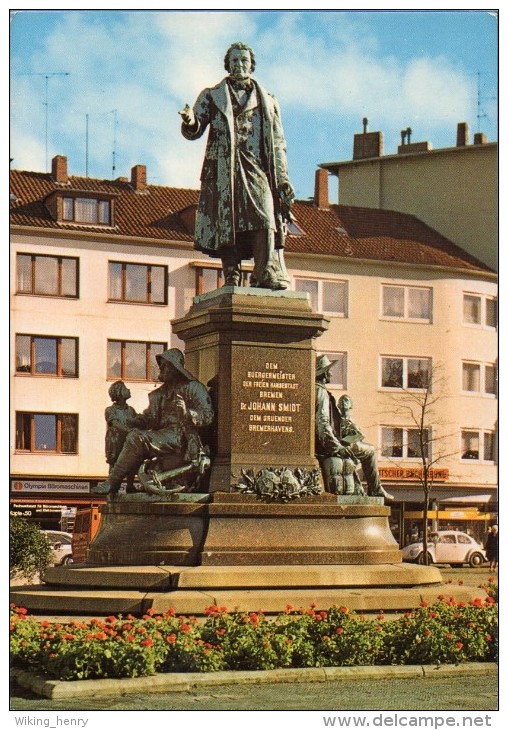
405	372
477	445
479	310
326	295
479	377
408	303
398	442
338	371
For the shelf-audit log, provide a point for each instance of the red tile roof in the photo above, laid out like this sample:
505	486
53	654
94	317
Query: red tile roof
342	231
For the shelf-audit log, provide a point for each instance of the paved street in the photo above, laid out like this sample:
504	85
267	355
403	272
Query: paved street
473	693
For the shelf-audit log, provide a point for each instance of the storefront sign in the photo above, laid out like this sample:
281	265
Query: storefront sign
412	473
40	485
37	510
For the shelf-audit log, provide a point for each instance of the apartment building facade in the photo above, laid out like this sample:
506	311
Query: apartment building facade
100	268
453	189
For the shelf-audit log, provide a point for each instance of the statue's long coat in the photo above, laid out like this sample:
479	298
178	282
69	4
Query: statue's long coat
215	218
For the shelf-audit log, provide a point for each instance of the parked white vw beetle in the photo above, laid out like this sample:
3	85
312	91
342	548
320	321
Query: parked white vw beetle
447	546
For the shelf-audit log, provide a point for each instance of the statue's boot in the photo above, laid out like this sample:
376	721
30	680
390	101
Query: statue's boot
269	267
127	463
232	272
380	492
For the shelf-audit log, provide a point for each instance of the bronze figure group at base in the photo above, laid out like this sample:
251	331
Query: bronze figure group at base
164	445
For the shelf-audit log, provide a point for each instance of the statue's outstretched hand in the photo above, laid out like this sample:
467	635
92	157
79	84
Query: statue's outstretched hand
188	116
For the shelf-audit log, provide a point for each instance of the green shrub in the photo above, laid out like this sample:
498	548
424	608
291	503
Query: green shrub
30	551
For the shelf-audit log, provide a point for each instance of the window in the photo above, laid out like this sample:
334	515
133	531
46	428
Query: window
479	378
134	360
40	355
403	443
479	310
87	210
405	372
326	295
338	371
50	276
52	432
478	445
407	302
137	283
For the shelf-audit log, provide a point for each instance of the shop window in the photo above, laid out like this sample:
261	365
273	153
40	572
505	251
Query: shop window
47	432
49	276
409	303
134	360
41	355
138	283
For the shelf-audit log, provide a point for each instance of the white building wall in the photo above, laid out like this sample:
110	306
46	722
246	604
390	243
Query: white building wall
363	334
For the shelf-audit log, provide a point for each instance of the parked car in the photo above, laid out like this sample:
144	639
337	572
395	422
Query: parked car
447	546
62	546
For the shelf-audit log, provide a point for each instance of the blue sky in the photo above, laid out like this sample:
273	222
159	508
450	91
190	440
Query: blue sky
328	69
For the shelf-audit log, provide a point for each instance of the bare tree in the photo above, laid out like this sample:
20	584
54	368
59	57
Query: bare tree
418	408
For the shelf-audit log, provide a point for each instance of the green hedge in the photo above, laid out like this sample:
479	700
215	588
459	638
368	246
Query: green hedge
118	646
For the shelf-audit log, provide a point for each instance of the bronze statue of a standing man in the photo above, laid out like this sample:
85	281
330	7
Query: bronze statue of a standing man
245	195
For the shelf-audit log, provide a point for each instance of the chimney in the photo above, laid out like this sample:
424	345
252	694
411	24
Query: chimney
59	169
138	177
480	138
321	189
462	134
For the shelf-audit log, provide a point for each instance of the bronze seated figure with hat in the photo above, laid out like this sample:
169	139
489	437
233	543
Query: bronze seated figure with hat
165	447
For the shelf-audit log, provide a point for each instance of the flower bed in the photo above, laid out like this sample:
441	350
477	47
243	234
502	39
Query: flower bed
118	646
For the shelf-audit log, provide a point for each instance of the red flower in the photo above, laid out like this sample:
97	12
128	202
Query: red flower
68	637
170	612
44	624
449	636
147	642
101	635
220	632
254	619
129	637
151	611
110	619
343	609
423	604
440	597
185	627
323	614
21	611
171	639
313	604
488	637
459	645
427	632
289	608
339	630
380	617
141	630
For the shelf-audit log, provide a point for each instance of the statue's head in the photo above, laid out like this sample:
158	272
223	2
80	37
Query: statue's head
236	58
118	391
345	403
323	367
171	366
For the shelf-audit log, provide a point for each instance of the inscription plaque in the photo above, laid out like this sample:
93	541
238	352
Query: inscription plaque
271	400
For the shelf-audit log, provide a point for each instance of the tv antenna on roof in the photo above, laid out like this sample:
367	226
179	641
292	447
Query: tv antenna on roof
480	113
114	112
47	76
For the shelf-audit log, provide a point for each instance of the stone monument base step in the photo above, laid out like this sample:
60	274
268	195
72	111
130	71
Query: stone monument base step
99	590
